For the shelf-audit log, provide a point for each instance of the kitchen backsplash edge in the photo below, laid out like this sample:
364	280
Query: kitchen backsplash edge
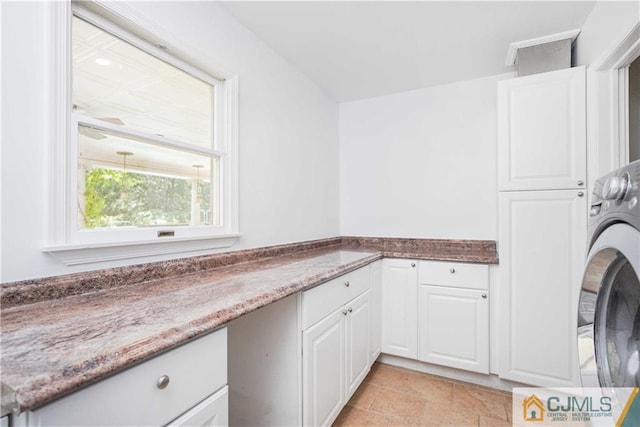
46	288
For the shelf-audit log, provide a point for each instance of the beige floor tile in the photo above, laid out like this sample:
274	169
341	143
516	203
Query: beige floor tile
389	377
492	422
508	403
351	416
400	407
430	387
400	397
480	400
364	395
445	414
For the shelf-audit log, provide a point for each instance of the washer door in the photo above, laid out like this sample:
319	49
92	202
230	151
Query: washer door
609	311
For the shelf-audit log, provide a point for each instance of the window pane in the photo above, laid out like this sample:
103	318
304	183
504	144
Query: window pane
119	83
127	183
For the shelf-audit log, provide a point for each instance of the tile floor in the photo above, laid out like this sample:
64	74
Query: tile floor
391	396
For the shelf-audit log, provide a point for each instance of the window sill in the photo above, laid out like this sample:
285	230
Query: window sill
88	254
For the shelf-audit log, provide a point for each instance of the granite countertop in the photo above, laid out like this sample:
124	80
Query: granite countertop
61	334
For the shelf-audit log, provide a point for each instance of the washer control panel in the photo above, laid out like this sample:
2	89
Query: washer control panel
615	198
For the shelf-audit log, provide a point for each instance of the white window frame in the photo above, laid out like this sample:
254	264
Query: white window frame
612	112
75	247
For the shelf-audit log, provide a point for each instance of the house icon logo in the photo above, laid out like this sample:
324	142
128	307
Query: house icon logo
533	408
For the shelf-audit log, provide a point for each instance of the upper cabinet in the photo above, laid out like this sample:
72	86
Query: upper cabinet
542	131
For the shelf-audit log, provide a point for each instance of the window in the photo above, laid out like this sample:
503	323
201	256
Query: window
150	153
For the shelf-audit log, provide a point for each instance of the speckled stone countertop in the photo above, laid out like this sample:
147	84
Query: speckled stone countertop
62	333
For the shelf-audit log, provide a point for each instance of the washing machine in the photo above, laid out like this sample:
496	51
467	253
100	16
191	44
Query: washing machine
609	307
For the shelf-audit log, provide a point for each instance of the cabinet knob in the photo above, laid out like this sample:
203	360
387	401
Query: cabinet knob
345	312
452	270
347	284
484	296
581	182
580	193
413	264
163	382
349	309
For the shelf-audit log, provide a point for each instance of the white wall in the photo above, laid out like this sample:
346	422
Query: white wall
604	29
288	134
421	163
606	25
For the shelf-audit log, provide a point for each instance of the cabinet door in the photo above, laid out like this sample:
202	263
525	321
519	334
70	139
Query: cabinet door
454	327
376	308
400	307
358	331
542	131
542	237
323	379
212	412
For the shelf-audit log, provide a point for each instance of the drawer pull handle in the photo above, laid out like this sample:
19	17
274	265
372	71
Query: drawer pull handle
484	296
452	270
163	382
347	284
349	309
345	312
413	264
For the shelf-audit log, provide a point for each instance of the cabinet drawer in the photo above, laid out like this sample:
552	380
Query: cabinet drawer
455	274
133	397
327	297
213	412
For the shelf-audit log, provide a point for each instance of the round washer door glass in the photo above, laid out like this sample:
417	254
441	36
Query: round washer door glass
617	326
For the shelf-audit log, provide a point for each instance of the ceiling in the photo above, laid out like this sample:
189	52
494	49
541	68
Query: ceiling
362	49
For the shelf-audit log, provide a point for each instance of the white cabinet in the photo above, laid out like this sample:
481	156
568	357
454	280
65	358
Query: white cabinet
454	327
212	412
335	345
323	379
376	310
542	247
542	225
400	307
358	332
542	131
453	315
152	393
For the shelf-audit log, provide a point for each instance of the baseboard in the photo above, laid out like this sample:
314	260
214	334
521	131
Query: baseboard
492	381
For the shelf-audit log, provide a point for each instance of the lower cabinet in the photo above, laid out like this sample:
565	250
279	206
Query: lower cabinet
212	412
336	354
453	315
183	386
323	378
400	307
357	336
454	327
